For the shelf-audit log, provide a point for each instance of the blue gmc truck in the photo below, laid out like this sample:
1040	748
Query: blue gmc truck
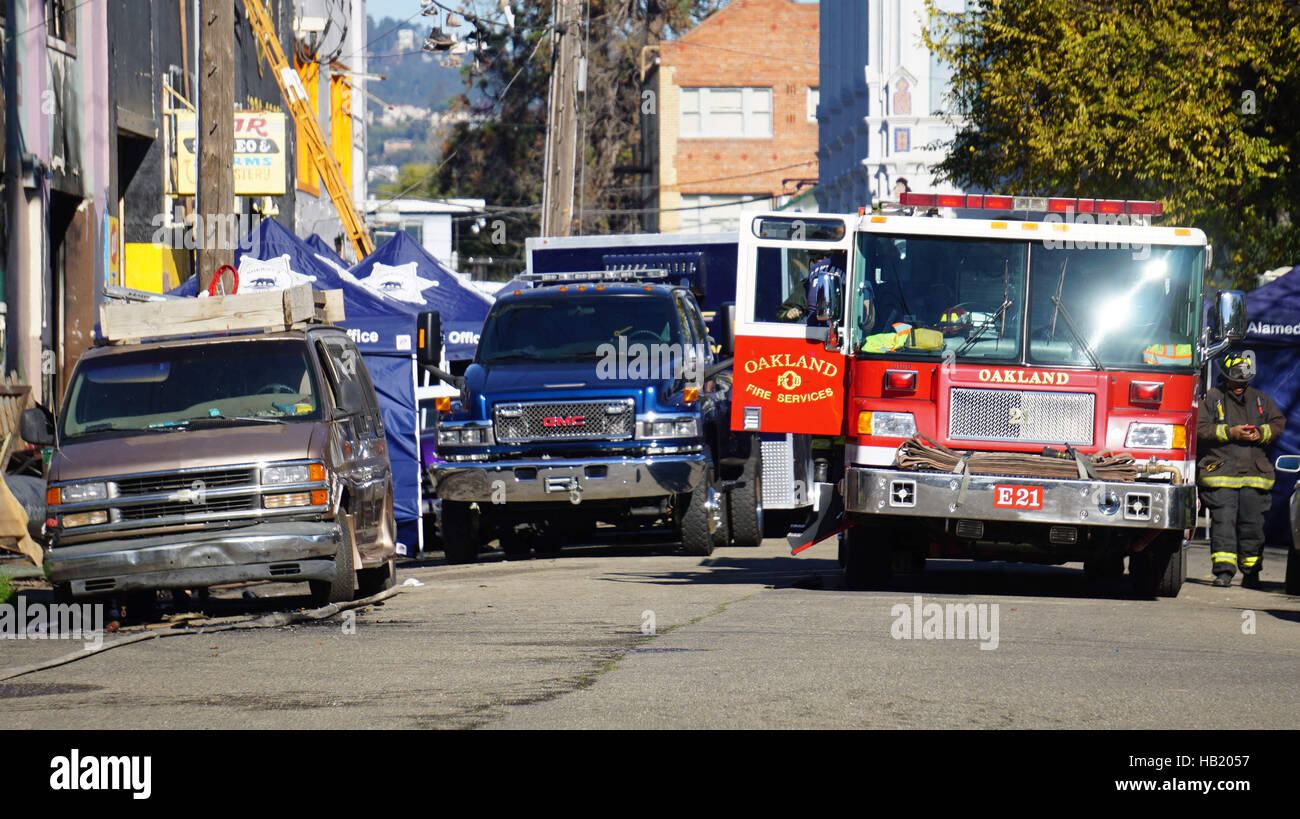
601	395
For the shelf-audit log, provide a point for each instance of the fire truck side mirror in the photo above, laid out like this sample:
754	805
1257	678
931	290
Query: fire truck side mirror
1230	316
429	330
828	285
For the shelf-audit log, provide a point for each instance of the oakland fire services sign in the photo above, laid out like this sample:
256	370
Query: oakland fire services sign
793	386
259	154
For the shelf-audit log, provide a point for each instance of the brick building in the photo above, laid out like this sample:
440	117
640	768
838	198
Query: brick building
736	123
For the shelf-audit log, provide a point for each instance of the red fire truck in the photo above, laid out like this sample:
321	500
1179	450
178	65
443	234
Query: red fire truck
984	377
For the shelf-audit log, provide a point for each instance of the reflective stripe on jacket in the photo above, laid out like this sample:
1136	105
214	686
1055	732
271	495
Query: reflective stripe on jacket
1233	464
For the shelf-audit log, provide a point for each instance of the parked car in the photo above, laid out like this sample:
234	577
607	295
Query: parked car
202	460
1291	463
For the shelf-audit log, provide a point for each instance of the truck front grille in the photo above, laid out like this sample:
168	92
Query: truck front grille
1032	416
150	511
611	419
204	496
172	482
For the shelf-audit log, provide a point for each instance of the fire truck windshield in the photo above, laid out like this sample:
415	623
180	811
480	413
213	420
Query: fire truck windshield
1016	302
922	296
1133	309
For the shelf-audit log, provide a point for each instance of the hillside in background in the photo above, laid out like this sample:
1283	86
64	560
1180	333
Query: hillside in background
411	77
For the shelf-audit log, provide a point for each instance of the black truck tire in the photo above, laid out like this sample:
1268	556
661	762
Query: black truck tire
1160	569
1107	566
338	590
693	528
1292	572
374	580
746	513
460	532
868	562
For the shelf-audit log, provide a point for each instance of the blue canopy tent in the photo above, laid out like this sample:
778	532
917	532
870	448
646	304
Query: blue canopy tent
403	271
322	248
383	330
1273	332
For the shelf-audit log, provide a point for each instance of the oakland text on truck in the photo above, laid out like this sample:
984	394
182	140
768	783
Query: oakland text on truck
1014	383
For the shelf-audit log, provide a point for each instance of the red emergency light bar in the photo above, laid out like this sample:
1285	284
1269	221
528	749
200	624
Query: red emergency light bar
1138	207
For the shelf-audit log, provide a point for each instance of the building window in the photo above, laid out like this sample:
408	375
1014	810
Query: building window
726	112
814	98
902	140
60	20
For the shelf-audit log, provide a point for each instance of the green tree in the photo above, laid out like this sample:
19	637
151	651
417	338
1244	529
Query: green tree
497	153
1192	102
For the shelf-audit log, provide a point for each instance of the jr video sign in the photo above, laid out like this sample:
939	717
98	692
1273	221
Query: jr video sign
259	154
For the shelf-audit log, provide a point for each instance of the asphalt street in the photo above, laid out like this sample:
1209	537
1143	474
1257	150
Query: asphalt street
632	637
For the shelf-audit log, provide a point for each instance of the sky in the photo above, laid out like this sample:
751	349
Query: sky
401	9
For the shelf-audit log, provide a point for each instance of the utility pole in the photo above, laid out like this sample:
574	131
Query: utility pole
18	278
216	138
562	121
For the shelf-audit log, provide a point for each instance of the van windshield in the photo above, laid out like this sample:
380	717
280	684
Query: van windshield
163	389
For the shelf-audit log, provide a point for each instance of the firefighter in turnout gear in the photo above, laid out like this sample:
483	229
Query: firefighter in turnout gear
1234	425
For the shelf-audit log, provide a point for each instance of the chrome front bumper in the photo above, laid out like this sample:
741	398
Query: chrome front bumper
576	481
288	552
1073	502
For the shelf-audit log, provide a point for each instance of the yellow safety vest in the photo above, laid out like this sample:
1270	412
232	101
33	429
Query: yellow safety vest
1176	354
903	336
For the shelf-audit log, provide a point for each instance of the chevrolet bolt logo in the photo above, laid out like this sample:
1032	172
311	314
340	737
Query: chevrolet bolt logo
564	421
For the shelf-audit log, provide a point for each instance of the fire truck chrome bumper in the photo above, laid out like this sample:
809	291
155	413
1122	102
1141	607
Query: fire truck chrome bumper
289	552
561	480
1073	502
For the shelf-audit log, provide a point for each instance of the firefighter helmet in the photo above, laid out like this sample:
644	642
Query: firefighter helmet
955	320
1238	368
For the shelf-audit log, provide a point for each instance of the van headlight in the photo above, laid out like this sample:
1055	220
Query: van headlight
79	492
294	473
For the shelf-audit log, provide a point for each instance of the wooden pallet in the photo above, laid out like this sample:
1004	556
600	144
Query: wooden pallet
122	323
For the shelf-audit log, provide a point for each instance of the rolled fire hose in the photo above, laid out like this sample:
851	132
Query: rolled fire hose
920	453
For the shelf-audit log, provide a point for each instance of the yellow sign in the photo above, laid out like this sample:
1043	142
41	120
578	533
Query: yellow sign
259	154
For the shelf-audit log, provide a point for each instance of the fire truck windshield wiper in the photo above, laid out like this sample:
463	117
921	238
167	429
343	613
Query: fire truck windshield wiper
1074	331
987	323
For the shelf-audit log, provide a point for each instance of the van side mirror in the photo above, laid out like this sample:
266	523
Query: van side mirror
36	425
429	330
1288	463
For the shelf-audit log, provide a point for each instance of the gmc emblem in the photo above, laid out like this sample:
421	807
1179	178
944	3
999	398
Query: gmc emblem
565	421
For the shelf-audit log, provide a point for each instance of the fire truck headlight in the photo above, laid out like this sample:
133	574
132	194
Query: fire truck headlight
1155	436
891	424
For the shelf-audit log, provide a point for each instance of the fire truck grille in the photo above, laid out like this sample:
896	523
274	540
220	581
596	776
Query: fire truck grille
1014	415
612	419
